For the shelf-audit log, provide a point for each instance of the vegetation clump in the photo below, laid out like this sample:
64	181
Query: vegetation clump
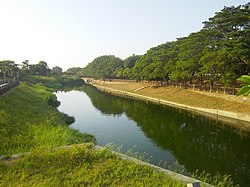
68	119
51	99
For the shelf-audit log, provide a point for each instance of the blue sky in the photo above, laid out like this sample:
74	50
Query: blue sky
71	33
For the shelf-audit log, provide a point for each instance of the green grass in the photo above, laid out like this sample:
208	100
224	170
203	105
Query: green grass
28	122
79	166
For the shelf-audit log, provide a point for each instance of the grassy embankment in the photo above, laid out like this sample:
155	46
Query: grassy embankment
183	96
28	123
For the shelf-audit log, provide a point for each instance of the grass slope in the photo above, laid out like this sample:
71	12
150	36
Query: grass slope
79	166
27	121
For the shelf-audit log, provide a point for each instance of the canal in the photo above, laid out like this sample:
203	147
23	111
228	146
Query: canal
170	136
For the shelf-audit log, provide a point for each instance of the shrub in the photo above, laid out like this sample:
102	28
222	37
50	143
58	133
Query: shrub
52	100
68	120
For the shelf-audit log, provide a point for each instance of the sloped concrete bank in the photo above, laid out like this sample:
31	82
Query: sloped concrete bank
239	120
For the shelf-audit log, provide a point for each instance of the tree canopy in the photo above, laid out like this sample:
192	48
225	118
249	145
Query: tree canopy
219	51
8	68
11	70
103	67
56	70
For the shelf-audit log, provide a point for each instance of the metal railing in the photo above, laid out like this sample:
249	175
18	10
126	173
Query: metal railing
7	86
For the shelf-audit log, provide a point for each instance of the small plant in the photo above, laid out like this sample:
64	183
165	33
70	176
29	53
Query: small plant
52	100
216	180
245	90
68	119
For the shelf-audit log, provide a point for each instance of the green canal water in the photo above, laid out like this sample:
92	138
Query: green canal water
167	134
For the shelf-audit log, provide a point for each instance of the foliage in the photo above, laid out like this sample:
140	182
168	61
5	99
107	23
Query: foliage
220	52
39	69
8	69
103	67
51	99
11	70
56	70
68	120
126	70
245	85
72	71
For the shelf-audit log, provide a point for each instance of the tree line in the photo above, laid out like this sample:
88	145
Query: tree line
220	51
11	70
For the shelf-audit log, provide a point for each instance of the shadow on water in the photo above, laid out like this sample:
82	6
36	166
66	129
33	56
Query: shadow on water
196	142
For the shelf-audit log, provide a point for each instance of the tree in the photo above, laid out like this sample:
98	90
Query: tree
229	31
56	70
43	68
139	72
25	67
8	68
130	61
103	67
126	70
157	63
38	69
190	50
73	71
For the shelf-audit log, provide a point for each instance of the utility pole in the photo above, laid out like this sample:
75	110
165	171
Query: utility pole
4	77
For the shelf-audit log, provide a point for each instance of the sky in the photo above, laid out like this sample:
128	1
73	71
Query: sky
72	33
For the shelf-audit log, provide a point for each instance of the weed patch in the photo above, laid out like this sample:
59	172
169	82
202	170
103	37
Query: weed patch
82	166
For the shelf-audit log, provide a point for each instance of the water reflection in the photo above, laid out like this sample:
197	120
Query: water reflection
171	134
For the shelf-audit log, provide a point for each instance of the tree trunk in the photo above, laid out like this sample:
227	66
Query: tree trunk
201	80
190	81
